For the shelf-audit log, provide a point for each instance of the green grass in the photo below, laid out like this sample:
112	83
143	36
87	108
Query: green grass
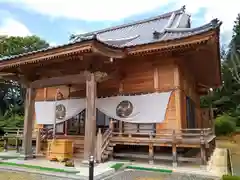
227	177
117	166
238	129
36	167
149	169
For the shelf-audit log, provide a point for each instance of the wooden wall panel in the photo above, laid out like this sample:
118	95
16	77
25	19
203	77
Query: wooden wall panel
51	92
170	116
188	87
108	88
39	95
139	81
77	91
206	116
166	77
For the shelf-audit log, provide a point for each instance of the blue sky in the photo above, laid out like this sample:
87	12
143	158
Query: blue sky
56	20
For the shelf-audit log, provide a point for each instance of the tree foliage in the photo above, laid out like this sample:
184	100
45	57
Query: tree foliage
226	99
17	45
12	95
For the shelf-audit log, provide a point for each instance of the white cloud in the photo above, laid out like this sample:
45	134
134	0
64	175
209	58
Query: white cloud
101	10
90	9
52	44
12	27
225	10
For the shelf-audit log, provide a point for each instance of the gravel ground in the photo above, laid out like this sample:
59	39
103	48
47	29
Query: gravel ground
4	175
144	175
124	175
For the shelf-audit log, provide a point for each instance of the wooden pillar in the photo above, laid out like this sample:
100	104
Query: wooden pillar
90	121
28	123
174	149
178	104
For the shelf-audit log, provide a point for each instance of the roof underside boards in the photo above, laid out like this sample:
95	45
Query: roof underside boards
170	26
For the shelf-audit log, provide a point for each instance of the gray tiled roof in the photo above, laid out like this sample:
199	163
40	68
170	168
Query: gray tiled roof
123	36
170	26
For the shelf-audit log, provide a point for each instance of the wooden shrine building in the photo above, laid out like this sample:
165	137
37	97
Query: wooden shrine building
133	85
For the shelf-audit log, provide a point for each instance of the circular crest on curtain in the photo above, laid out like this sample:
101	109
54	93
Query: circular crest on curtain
60	111
124	109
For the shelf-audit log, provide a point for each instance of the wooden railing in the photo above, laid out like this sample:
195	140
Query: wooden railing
12	133
167	134
16	134
103	141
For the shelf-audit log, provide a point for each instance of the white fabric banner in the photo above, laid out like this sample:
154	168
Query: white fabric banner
45	110
147	108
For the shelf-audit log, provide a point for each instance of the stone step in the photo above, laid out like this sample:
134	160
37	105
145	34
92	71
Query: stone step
109	148
107	152
104	157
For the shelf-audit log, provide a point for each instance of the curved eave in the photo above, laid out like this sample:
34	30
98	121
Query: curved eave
174	44
86	46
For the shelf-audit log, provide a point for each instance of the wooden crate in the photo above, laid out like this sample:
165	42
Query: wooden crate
60	149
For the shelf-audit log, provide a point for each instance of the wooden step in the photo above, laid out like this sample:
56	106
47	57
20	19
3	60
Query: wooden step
78	145
78	150
107	152
104	157
111	144
109	148
78	155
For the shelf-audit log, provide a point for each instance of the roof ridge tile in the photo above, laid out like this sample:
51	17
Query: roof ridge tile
164	15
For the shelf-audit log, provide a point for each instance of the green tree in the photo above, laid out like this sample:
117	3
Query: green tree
12	95
226	99
18	45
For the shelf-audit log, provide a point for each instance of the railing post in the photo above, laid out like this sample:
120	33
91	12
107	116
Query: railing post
111	125
38	141
99	145
151	150
120	128
203	149
17	141
5	142
174	149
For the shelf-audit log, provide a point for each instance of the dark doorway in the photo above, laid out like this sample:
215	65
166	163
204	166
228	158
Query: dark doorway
191	115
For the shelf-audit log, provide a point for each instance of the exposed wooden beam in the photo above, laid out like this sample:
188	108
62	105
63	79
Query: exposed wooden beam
61	80
72	79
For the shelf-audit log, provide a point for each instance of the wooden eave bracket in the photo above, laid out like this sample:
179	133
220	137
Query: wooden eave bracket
108	51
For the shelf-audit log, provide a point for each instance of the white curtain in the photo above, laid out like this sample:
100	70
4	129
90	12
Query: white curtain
45	110
147	108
